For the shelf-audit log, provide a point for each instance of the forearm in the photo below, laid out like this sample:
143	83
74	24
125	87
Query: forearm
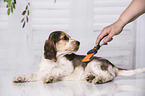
134	10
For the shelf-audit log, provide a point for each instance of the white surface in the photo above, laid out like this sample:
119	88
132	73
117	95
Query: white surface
121	86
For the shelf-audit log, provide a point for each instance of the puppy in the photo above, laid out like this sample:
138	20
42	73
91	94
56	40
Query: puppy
60	63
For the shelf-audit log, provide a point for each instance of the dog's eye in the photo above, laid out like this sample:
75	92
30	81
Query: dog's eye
65	38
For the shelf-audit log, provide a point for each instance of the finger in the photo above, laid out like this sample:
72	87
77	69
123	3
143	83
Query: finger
108	38
101	36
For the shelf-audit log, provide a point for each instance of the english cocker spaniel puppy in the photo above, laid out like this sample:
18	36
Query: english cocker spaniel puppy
60	63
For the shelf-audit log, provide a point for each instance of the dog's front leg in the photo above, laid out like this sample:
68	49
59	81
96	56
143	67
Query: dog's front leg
57	73
25	78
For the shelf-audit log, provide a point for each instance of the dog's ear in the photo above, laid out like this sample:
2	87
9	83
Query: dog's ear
50	50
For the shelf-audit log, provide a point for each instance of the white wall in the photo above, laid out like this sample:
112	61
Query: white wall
140	42
22	49
88	18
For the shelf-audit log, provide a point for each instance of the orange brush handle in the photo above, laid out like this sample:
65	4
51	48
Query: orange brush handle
88	57
93	51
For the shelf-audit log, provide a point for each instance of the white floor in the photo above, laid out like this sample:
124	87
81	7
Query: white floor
121	86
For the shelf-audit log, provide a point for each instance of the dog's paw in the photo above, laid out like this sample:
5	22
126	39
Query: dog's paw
99	80
89	78
49	79
19	79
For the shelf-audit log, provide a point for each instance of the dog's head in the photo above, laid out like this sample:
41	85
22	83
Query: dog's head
59	42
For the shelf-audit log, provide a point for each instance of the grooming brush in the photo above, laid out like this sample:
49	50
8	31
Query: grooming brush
93	51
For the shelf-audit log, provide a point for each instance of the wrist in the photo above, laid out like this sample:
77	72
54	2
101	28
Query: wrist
120	22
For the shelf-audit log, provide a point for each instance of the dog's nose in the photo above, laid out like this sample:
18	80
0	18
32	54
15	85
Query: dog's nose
78	42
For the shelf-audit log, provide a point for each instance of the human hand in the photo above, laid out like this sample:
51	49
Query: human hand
111	30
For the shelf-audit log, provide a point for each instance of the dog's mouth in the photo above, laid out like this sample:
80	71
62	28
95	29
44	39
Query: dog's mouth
73	49
76	49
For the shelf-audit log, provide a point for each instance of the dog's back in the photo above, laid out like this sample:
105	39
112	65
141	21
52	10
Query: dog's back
99	70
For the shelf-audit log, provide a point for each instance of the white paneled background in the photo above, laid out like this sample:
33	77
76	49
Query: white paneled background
121	51
22	49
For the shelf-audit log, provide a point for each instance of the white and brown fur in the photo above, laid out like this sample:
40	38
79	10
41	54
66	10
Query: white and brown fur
60	63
